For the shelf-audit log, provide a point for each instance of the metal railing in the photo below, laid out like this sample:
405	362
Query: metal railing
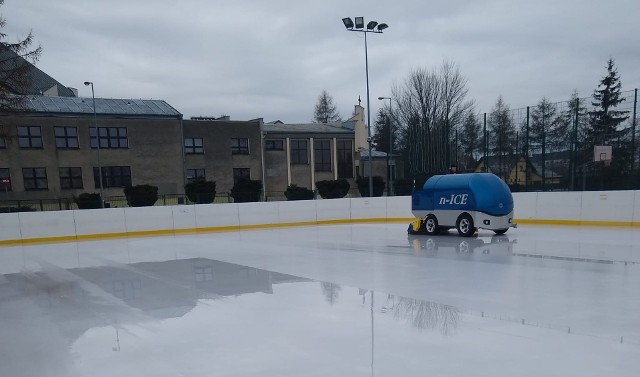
60	204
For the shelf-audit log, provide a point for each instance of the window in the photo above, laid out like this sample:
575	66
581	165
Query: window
71	178
241	173
203	273
4	175
66	137
29	137
193	145
299	152
3	143
239	146
124	289
35	178
193	174
274	145
345	159
113	176
322	155
110	137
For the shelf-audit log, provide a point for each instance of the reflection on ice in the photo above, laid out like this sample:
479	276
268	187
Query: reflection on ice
423	314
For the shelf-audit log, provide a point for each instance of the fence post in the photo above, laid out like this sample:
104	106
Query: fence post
633	133
526	165
486	145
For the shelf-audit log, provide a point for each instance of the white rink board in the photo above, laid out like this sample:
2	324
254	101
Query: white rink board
148	218
333	209
47	224
368	208
607	206
297	211
399	207
258	213
10	226
96	221
557	206
217	215
524	205
184	216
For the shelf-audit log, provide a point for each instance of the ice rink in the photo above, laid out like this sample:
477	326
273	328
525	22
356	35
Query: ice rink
344	300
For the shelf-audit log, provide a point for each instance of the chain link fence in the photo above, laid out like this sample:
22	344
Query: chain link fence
551	146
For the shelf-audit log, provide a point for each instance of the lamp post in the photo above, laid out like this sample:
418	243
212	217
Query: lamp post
389	158
95	125
372	27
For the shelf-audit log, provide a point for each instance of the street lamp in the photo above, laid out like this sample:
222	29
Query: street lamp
372	27
389	158
95	125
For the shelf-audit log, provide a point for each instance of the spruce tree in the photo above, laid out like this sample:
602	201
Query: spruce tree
503	134
15	69
470	141
604	120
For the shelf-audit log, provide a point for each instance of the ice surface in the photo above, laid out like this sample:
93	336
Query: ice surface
326	301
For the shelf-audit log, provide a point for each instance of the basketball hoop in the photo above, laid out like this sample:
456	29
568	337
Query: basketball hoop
602	153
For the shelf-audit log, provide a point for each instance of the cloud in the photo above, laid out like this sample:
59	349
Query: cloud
272	59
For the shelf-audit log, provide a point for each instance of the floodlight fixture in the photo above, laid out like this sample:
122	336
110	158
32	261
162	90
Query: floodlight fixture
372	27
348	23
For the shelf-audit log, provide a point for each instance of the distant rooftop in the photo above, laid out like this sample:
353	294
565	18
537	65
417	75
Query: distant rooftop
104	106
305	128
40	83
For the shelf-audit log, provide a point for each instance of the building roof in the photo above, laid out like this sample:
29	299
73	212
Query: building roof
306	128
364	153
104	106
39	82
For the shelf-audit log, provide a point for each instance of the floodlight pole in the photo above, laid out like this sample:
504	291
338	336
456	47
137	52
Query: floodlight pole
95	125
372	27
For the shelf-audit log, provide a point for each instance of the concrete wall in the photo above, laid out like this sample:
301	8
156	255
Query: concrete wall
577	208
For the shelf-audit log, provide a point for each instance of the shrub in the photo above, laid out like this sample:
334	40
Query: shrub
141	195
246	190
294	192
403	187
200	191
88	200
363	186
333	189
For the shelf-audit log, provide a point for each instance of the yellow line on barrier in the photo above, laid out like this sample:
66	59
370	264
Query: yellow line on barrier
216	229
578	222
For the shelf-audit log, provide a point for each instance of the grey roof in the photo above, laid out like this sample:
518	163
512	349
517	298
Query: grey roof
306	128
104	106
364	153
40	82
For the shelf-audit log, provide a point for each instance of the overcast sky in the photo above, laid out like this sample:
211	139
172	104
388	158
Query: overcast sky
271	59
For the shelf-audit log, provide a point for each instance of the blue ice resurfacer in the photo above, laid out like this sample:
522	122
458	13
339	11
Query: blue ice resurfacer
464	201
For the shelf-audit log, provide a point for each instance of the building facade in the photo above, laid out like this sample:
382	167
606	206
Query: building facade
222	150
56	148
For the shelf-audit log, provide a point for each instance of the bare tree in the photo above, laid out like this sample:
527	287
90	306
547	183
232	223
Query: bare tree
325	110
430	106
331	292
15	66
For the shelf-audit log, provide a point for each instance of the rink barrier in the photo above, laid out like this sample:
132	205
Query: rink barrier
610	208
